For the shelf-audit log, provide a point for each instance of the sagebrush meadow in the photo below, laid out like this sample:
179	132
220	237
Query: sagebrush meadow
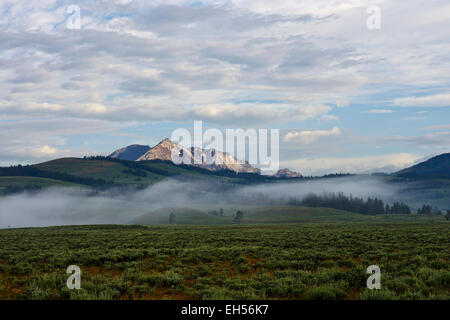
310	261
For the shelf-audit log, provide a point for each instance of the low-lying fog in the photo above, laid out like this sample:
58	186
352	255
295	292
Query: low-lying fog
73	206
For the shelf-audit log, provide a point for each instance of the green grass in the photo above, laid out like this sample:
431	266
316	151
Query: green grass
33	183
188	173
292	214
143	173
99	169
182	216
118	173
199	215
284	261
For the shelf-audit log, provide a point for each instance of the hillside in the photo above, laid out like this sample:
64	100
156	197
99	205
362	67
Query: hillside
252	215
182	216
132	152
103	172
117	173
14	184
435	168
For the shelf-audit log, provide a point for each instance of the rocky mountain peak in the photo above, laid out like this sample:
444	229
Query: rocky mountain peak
286	173
163	151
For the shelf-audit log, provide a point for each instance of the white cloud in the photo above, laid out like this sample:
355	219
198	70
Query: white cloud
380	111
342	103
46	150
258	112
384	163
438	100
226	62
330	117
168	52
310	136
438	127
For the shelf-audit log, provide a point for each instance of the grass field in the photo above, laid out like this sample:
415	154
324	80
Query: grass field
33	182
284	261
106	170
200	215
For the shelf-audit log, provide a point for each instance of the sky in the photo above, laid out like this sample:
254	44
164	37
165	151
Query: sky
345	97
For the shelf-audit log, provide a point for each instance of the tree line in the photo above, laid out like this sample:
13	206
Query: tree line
371	206
340	201
429	210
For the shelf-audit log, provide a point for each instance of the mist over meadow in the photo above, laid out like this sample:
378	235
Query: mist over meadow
66	206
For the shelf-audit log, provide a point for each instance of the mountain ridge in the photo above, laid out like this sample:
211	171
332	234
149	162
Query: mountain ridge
211	159
437	167
131	152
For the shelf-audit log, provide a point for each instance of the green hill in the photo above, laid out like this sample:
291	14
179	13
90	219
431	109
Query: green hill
19	183
112	172
182	216
254	215
294	214
435	168
103	172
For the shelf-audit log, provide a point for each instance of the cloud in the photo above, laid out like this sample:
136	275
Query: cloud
384	163
380	111
46	150
330	117
342	103
35	153
438	100
438	127
226	62
310	136
258	112
20	143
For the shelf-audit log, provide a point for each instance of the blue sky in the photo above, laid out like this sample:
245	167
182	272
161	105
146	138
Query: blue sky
345	98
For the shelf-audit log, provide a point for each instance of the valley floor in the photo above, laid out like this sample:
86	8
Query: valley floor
289	261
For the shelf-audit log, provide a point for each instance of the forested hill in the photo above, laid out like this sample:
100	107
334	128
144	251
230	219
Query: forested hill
104	172
435	168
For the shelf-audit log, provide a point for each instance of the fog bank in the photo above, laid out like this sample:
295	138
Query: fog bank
62	206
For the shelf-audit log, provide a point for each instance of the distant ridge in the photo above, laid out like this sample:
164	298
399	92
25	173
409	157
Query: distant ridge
437	167
286	173
132	152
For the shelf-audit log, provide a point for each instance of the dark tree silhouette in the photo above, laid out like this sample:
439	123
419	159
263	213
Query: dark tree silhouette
171	217
238	216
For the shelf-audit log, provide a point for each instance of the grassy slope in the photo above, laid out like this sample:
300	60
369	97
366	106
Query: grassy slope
435	168
106	170
117	173
179	171
33	182
182	216
269	215
292	214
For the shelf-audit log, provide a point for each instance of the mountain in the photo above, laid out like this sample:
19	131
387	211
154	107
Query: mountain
132	152
286	173
162	151
437	167
193	156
